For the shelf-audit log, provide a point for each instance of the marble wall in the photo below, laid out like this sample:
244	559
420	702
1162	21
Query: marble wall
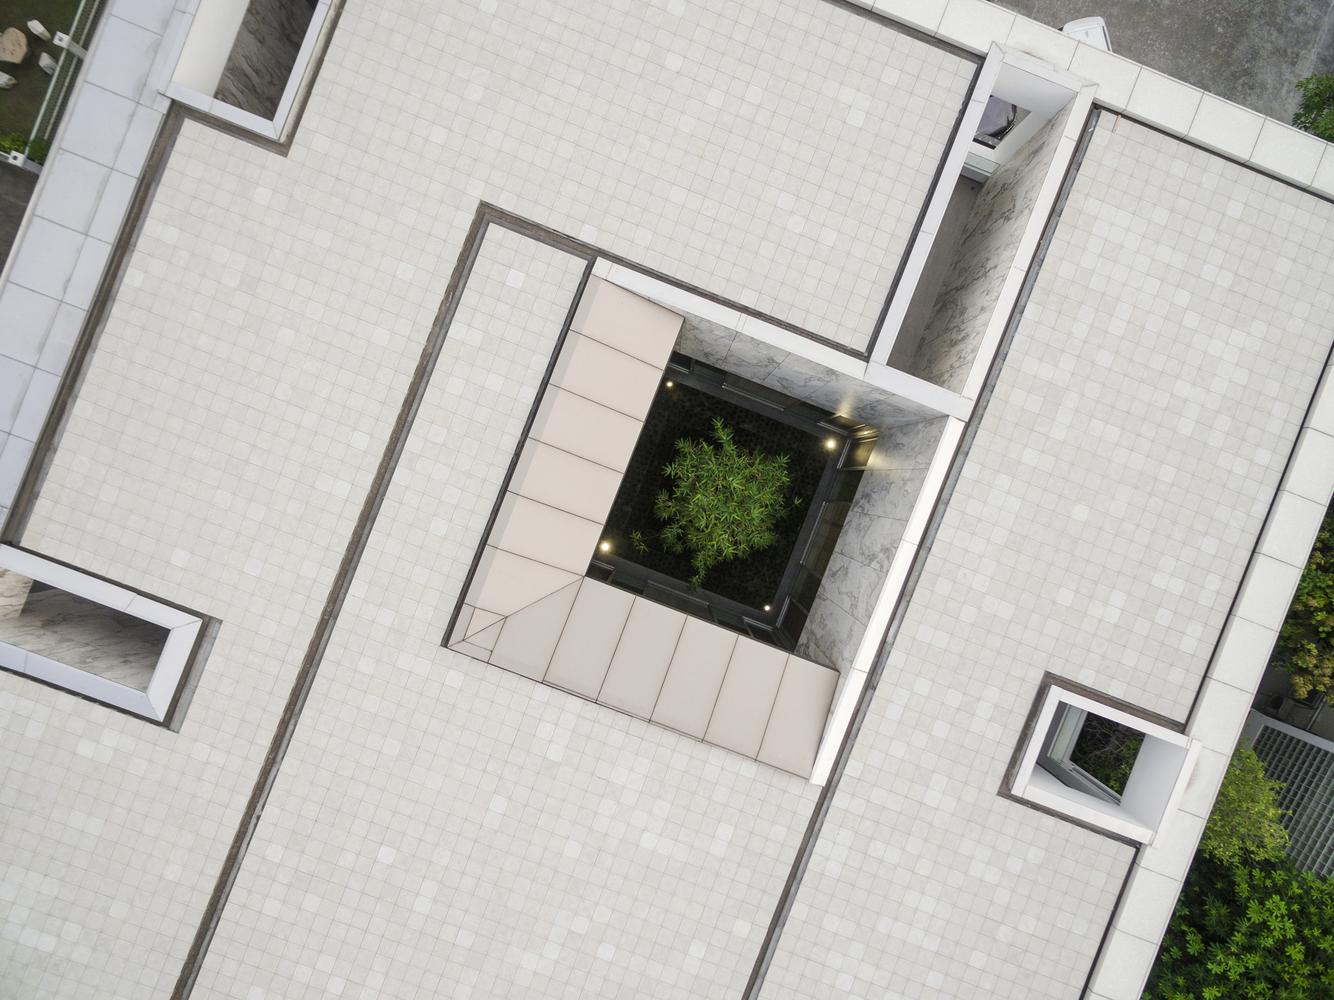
263	55
945	351
867	543
796	376
78	632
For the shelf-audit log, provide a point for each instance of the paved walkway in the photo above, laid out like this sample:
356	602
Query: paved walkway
15	189
1249	51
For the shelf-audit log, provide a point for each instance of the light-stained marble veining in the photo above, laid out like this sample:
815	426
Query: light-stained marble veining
870	536
946	347
78	632
796	376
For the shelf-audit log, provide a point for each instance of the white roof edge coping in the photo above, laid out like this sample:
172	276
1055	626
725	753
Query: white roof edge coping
71	581
1144	93
1123	966
1022	57
676	298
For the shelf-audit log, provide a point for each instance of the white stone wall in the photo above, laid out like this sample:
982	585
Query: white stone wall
866	545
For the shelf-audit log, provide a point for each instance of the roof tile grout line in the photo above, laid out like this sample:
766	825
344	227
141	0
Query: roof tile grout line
296	701
619	636
769	716
612	347
787	895
596	402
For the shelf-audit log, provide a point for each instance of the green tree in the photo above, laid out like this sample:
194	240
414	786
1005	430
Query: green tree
724	501
1305	646
1315	111
1248	932
1245	826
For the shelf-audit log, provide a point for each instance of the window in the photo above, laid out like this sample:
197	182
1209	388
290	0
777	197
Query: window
92	637
1102	765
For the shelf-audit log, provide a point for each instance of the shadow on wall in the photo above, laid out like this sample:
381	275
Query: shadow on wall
261	60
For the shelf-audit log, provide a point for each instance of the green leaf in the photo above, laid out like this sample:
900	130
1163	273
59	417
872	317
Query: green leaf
724	501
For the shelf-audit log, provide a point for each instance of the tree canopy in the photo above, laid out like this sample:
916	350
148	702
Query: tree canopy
1248	932
1305	647
1315	111
724	501
1245	825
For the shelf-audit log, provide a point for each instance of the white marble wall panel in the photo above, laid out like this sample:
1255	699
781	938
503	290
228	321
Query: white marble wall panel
944	349
875	525
796	376
263	55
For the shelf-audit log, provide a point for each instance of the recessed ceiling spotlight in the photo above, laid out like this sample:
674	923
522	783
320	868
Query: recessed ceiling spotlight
830	443
767	608
670	384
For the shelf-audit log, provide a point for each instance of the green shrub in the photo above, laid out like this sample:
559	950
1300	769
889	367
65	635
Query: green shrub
17	142
1305	647
37	150
1315	111
724	502
1249	931
1107	750
1245	826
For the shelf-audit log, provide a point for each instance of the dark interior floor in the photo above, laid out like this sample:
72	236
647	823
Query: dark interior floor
15	192
1248	51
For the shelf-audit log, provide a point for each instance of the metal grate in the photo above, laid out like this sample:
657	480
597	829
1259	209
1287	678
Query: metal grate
1305	765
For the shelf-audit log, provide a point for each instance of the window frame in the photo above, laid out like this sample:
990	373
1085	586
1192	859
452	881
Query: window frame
1157	781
